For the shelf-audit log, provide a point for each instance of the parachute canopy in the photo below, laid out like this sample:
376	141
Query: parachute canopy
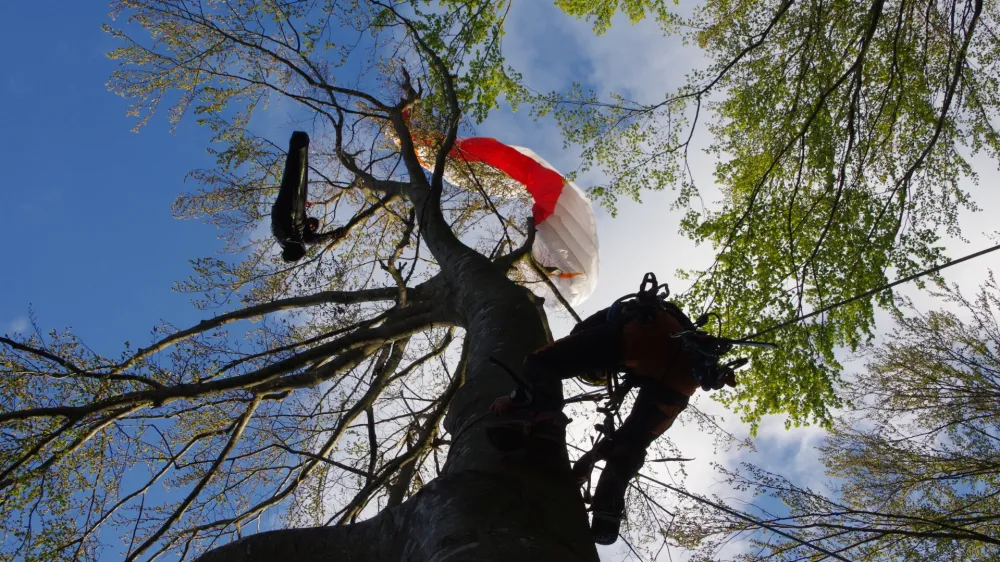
566	232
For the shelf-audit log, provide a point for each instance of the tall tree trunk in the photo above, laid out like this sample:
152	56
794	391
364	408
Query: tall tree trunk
486	505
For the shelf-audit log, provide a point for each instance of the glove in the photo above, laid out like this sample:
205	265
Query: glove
729	379
516	399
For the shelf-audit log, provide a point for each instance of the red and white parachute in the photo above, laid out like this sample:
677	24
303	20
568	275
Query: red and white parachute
566	233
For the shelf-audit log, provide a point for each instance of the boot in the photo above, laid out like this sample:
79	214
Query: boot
608	505
609	497
604	527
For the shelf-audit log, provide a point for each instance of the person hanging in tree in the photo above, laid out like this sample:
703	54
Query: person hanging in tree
665	356
290	224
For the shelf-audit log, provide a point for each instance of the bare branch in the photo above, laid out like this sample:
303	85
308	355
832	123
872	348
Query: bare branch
234	438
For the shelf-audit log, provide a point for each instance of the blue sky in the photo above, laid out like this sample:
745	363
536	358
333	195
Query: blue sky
86	202
85	206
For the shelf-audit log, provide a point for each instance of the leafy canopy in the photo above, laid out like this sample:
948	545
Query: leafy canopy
842	133
602	11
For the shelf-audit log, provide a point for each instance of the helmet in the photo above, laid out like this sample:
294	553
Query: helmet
292	252
594	378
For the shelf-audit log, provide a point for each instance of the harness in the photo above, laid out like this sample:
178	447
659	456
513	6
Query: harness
642	303
707	349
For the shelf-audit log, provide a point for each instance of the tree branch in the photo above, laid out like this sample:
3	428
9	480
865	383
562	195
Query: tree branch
73	369
324	297
221	458
265	379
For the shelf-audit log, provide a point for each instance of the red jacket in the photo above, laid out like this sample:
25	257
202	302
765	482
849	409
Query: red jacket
650	351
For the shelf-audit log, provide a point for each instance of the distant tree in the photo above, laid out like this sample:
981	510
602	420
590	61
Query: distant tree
915	467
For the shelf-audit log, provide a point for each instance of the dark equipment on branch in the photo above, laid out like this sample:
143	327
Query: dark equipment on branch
290	224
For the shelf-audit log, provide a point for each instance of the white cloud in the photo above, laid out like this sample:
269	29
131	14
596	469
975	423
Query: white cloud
17	325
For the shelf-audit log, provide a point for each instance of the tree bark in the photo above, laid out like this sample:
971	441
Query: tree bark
468	516
486	505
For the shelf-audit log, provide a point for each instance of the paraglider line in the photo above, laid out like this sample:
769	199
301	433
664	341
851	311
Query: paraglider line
745	517
552	287
871	292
